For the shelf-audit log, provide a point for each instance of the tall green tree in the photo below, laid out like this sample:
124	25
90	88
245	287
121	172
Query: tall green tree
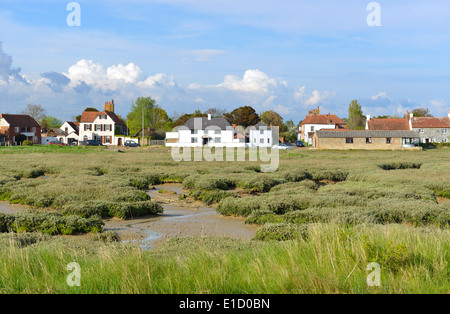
49	122
272	118
356	119
244	116
141	107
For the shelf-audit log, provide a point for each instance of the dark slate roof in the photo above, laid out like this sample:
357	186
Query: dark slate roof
221	123
262	125
20	120
366	133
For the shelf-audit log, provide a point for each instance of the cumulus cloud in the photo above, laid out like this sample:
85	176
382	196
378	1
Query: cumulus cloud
313	99
7	72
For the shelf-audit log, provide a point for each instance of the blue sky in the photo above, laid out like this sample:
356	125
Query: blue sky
287	55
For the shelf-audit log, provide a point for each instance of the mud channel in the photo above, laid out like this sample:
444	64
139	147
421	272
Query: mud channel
181	218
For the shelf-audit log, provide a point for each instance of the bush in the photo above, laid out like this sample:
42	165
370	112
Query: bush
400	165
124	210
238	206
27	143
329	175
297	175
31	173
50	223
281	232
211	197
259	183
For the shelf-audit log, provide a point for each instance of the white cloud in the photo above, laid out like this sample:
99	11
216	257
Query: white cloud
313	99
381	95
253	81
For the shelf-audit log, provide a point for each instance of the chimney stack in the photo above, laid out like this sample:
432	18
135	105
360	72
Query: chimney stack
449	114
367	121
209	116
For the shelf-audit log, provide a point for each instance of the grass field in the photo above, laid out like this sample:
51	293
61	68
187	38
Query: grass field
323	217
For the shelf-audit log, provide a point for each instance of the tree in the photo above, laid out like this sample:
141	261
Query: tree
356	119
421	112
145	110
216	113
36	111
185	117
243	116
88	109
272	118
49	122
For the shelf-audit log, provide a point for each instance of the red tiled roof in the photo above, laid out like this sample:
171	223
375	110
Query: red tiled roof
388	124
322	119
430	122
20	120
89	117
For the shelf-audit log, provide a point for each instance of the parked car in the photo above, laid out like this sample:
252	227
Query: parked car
91	143
131	144
282	146
57	143
300	144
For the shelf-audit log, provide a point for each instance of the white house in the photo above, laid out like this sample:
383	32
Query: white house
218	132
315	122
261	135
105	127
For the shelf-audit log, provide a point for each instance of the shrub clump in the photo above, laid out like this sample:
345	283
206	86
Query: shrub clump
50	223
281	232
400	165
123	210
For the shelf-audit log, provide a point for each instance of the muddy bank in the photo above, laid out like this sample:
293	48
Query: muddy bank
7	208
184	218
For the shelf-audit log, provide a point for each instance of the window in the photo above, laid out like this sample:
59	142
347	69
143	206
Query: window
261	141
312	129
368	140
444	140
261	132
194	131
388	140
444	131
268	141
217	140
194	140
218	132
349	140
420	131
108	139
17	129
33	129
254	140
98	127
88	127
107	127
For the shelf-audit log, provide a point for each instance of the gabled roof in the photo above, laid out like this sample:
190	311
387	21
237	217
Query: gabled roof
388	124
430	122
90	116
20	120
366	133
322	119
221	123
74	125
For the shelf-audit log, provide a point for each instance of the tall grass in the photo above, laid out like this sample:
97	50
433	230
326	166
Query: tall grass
332	259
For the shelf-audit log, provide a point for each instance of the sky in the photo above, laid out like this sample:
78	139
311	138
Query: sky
290	56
